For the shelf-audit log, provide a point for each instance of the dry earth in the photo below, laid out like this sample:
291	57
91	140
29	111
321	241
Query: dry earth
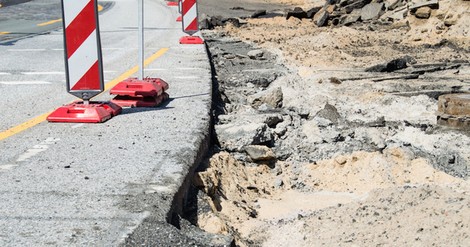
321	152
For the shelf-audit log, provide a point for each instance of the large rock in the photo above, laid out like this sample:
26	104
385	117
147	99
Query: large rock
236	135
372	11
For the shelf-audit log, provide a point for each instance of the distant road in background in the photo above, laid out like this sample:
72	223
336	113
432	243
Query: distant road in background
23	18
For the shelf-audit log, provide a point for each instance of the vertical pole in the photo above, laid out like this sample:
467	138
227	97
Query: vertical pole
141	38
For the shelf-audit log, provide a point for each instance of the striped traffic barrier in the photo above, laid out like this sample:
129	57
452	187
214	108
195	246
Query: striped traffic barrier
83	65
190	22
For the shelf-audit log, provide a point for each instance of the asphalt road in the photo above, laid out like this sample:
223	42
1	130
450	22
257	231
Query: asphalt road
100	184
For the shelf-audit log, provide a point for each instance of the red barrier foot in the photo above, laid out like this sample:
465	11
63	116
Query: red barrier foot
134	87
78	112
179	18
140	101
149	92
191	40
172	4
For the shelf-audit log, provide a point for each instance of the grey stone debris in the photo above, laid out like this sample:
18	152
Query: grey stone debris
350	5
372	11
392	4
258	13
321	18
311	12
393	65
236	135
355	16
329	112
397	14
254	54
297	13
423	12
272	97
433	4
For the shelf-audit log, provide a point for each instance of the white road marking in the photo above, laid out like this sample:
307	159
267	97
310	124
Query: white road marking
41	147
50	72
159	69
5	73
163	69
188	68
7	167
44	73
186	77
24	82
25	50
58	49
110	48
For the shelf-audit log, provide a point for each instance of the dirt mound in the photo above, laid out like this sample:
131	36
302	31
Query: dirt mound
345	199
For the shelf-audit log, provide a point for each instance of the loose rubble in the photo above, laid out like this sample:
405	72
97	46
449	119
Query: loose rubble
328	130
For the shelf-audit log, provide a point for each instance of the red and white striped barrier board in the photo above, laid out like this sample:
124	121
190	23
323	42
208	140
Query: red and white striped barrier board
189	13
84	72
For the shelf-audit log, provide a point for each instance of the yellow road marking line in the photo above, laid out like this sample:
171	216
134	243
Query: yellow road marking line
48	23
39	119
128	73
3	33
24	126
100	8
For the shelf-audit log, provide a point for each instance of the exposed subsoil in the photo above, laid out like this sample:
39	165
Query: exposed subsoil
320	142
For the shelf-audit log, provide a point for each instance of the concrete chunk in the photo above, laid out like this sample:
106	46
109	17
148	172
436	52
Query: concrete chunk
260	153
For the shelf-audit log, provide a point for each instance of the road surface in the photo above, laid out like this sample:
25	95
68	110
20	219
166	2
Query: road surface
100	184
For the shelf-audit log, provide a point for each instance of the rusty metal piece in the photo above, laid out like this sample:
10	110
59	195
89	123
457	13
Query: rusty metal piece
454	111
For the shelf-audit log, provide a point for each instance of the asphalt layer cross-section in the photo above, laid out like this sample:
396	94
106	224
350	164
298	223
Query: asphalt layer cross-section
109	184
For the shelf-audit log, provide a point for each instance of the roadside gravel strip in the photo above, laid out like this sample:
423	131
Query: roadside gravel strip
122	182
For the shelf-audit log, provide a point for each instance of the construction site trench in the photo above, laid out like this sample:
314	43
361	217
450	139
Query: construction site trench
329	134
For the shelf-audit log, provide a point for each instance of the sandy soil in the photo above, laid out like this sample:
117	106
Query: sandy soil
385	185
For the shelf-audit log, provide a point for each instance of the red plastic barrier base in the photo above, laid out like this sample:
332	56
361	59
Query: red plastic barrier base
77	112
179	19
140	101
149	92
191	40
134	87
172	4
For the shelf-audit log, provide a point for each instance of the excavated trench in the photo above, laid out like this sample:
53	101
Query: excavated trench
274	167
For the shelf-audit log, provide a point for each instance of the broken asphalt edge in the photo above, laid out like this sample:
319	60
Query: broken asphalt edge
154	226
